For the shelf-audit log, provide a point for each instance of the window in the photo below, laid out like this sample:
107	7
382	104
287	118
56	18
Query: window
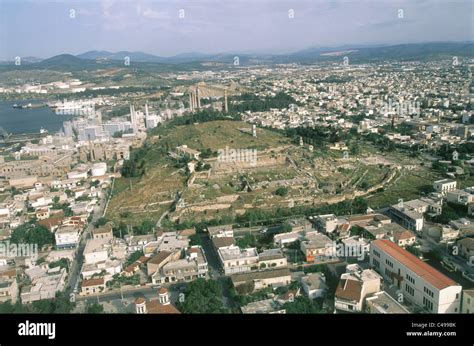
409	278
457	295
427	303
389	263
410	289
376	253
429	292
376	263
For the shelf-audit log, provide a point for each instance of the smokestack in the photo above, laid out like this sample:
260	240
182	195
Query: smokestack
191	101
133	118
91	150
198	98
146	109
226	109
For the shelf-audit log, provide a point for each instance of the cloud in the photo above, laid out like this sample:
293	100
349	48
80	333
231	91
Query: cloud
152	14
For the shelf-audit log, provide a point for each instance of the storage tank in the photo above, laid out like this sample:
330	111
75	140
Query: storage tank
98	169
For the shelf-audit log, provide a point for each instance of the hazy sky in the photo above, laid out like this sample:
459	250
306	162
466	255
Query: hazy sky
44	28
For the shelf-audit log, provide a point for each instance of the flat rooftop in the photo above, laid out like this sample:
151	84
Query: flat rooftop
385	304
235	253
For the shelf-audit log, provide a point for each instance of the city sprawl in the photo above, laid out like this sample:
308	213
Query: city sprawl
334	181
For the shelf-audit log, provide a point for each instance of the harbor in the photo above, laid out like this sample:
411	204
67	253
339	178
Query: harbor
30	119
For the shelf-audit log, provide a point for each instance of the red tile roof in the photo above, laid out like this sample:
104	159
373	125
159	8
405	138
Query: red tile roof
422	269
348	289
160	257
139	300
154	307
402	235
92	282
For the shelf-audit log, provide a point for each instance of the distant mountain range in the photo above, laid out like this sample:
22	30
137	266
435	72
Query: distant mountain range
402	51
142	57
357	54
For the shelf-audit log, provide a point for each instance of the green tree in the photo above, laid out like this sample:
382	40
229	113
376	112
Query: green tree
195	239
95	308
32	234
101	222
134	256
281	191
303	305
202	297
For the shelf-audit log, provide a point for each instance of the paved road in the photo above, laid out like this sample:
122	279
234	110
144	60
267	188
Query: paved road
446	253
215	270
75	270
213	262
131	293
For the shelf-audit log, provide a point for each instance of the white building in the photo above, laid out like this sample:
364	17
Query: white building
419	283
463	197
272	258
407	217
98	169
44	284
444	186
96	250
172	241
383	303
326	223
236	260
354	286
67	237
468	302
314	285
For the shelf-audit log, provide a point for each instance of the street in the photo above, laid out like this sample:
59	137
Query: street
75	269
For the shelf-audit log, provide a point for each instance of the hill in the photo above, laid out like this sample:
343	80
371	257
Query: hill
150	195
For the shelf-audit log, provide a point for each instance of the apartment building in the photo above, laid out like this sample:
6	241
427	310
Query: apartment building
44	284
463	197
155	263
316	247
383	303
67	237
419	283
443	186
354	286
237	260
192	267
326	223
466	249
262	279
468	302
8	289
407	217
97	250
172	241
